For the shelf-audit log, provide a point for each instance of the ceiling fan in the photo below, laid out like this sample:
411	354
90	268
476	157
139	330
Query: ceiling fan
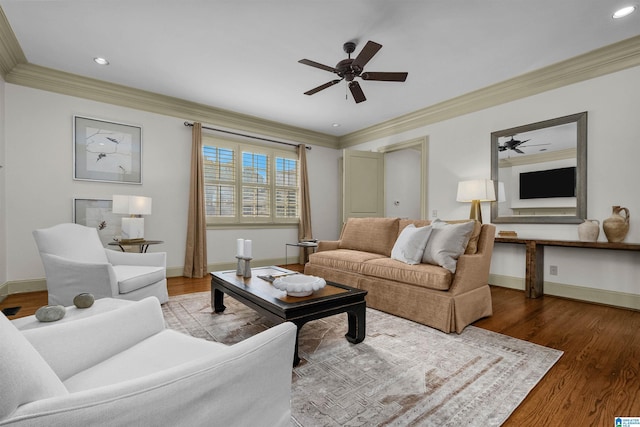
515	145
348	69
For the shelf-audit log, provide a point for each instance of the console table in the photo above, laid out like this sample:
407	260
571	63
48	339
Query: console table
534	276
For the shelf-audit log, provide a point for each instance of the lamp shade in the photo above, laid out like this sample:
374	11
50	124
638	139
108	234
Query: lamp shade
131	205
477	189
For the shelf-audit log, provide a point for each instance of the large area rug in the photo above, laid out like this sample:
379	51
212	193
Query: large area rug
402	374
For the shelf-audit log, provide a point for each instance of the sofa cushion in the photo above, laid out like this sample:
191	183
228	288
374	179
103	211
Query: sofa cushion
416	222
375	235
25	375
472	246
105	334
447	243
134	277
343	259
162	351
423	275
410	245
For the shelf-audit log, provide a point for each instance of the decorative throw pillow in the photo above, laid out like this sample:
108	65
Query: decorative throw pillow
410	244
447	243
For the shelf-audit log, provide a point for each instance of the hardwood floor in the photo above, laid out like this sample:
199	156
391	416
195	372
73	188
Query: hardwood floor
597	378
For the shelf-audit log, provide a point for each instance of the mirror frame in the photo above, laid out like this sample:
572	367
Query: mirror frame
581	172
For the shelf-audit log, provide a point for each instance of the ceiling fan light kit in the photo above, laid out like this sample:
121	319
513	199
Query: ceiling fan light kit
348	69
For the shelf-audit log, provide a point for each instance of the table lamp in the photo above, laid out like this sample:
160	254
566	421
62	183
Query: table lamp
135	207
476	191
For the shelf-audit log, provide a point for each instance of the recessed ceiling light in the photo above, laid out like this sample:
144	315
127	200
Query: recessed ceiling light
621	13
335	125
101	61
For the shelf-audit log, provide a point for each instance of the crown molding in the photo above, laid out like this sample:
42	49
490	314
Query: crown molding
10	51
15	69
51	80
609	59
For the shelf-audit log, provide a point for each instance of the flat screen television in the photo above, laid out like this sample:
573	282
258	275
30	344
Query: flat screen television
548	183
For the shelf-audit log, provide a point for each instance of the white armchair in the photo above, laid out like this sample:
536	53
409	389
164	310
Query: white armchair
75	262
123	368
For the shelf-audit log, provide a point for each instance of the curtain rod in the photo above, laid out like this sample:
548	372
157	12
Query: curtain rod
248	136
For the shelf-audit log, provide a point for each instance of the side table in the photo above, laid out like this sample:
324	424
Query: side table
305	245
143	245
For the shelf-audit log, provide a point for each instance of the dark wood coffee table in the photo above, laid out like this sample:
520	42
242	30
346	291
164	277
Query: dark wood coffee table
277	306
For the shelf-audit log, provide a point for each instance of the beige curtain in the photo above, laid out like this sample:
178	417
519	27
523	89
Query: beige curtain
304	227
195	260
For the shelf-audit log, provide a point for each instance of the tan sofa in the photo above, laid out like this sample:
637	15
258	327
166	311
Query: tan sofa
425	293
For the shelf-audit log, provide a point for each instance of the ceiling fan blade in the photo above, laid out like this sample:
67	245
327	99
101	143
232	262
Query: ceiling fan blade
317	65
365	55
534	145
322	87
356	91
385	77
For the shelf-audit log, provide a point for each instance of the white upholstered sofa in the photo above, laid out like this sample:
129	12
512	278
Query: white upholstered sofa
123	368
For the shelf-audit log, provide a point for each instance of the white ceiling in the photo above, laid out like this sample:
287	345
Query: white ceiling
242	55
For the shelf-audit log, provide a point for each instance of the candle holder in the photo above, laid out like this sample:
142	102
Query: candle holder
240	266
244	266
247	267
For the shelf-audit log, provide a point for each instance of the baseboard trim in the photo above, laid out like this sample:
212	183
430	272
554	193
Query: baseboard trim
23	286
576	292
36	285
507	281
600	296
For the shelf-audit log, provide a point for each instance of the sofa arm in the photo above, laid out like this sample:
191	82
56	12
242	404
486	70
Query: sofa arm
67	278
153	259
473	270
74	346
247	384
328	245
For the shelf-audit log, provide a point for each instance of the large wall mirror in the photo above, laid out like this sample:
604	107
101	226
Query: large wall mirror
540	172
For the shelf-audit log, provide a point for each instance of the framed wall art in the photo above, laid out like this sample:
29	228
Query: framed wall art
97	213
106	151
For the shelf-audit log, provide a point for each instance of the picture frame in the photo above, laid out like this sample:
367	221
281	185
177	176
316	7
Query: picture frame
106	151
97	213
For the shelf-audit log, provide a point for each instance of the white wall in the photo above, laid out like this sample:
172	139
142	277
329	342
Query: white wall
460	149
40	187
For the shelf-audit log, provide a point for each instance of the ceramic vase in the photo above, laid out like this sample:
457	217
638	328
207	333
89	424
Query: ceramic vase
616	226
589	230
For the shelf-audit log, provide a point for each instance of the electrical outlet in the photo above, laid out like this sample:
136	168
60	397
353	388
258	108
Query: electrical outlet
434	213
553	270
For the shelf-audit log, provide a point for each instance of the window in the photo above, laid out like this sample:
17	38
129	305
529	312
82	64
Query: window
247	184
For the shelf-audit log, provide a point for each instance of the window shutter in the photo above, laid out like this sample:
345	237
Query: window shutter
247	184
219	178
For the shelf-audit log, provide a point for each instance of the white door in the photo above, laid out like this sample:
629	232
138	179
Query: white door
363	184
